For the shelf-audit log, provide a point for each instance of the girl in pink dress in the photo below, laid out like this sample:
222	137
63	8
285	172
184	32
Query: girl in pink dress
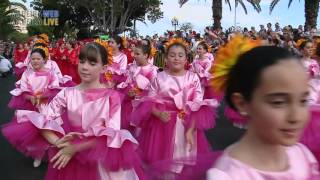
173	117
311	134
115	72
259	85
37	85
64	80
79	130
201	65
139	77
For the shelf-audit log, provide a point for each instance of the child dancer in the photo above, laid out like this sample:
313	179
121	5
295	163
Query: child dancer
115	72
311	134
312	68
201	65
137	85
88	144
37	85
259	85
174	116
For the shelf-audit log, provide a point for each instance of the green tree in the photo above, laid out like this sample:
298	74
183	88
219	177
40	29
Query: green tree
8	17
311	9
217	8
112	16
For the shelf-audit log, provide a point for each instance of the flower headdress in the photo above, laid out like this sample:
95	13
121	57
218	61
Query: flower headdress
45	49
227	57
44	37
108	49
153	51
42	41
176	41
300	41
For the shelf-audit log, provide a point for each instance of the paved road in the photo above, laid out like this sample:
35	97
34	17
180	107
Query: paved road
14	166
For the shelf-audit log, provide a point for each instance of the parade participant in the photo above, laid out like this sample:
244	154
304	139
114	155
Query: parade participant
115	72
173	116
258	84
37	85
137	85
153	50
88	143
20	53
127	50
201	66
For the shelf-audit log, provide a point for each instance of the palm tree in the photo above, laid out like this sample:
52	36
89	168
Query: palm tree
217	8
8	17
311	9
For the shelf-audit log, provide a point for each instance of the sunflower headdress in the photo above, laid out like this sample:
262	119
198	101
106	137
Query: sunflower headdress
175	41
300	41
44	37
227	57
108	49
45	49
153	52
41	41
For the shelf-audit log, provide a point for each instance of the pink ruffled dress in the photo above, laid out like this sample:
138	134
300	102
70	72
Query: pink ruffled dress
139	79
95	113
311	135
116	71
45	83
64	80
302	166
163	145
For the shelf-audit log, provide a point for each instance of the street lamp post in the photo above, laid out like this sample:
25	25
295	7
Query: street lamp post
175	23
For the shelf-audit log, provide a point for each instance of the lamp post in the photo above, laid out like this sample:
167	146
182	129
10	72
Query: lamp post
175	23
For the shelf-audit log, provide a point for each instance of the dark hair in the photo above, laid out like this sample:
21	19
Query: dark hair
304	43
204	45
92	51
40	51
118	40
145	48
175	44
244	76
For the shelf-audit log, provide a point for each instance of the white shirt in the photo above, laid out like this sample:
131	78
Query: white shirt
5	65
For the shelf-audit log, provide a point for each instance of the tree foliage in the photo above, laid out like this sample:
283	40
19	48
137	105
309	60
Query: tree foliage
100	16
8	17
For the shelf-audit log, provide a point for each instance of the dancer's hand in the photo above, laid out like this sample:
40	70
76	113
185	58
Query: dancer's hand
64	155
164	116
131	93
65	140
33	100
190	138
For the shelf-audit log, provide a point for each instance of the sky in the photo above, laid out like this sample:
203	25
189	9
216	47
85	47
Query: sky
199	14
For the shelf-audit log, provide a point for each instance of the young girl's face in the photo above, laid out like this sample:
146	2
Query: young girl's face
278	110
113	44
139	56
308	49
37	61
90	71
201	50
176	58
